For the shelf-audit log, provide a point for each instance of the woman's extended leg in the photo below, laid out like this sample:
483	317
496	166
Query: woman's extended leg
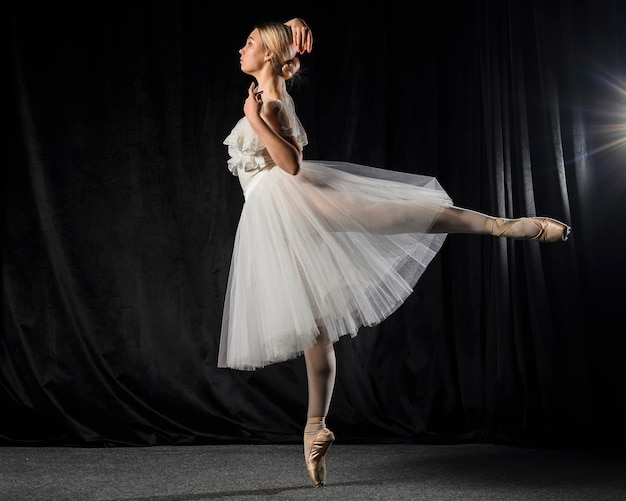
320	370
542	229
352	212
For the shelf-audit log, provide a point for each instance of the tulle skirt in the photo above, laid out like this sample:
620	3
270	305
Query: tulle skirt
338	246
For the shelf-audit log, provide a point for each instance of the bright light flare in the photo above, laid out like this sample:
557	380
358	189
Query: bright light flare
608	127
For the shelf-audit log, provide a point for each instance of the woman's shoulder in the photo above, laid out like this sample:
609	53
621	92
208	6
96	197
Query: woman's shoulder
274	104
277	114
285	112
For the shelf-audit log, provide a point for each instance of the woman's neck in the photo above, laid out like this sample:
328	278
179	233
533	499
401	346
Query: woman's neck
273	88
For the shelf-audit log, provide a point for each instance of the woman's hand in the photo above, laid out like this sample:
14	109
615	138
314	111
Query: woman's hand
302	35
253	103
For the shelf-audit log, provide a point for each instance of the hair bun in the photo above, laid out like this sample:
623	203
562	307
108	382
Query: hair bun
291	67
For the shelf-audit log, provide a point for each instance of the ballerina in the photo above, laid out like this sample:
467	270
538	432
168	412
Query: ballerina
324	248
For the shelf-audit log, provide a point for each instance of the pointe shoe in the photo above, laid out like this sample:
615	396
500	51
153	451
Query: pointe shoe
316	461
550	230
321	470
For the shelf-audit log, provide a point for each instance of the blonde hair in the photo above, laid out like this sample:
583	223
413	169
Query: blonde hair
277	38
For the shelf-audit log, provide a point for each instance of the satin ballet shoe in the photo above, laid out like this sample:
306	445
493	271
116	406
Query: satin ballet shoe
550	230
321	470
316	460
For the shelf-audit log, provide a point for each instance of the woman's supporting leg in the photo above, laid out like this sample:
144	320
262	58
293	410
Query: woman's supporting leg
320	371
458	220
320	368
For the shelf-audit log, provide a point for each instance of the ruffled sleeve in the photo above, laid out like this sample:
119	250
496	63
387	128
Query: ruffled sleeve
296	130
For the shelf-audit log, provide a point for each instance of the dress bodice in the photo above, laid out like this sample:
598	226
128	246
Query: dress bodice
249	158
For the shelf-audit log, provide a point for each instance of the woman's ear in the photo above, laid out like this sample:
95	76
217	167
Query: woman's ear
268	55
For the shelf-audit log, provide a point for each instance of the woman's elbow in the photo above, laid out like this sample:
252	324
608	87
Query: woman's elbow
290	167
296	164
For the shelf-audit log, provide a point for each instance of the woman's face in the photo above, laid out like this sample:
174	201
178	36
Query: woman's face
252	54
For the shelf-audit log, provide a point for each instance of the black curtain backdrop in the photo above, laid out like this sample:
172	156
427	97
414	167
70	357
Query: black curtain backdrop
120	216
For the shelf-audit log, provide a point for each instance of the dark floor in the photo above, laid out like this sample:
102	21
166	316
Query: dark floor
363	472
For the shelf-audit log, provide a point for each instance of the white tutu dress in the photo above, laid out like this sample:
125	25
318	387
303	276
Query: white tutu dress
338	246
